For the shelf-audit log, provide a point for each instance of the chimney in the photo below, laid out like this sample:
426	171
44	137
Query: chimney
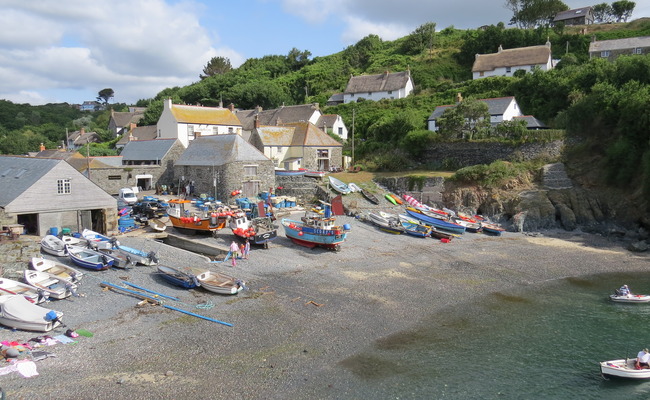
132	126
82	131
256	123
42	147
459	97
231	107
500	49
258	109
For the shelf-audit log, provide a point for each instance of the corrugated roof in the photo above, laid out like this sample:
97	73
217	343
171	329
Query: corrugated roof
146	150
496	106
570	14
532	55
204	115
619	44
18	174
219	150
378	83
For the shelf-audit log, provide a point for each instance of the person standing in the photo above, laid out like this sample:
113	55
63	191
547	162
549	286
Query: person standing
233	252
247	248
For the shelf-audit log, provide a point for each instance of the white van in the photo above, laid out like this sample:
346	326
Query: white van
128	196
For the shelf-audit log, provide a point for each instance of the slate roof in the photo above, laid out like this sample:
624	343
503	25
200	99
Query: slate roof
81	163
532	55
307	134
327	119
531	122
56	154
80	139
276	135
284	114
123	119
570	14
20	173
219	150
496	106
619	44
378	83
146	150
147	132
204	115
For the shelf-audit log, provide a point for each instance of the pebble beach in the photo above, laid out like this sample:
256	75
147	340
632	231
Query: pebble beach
302	322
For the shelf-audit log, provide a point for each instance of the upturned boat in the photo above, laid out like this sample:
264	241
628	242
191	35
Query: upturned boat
52	245
18	313
316	229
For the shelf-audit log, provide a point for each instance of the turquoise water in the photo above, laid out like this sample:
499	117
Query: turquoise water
540	342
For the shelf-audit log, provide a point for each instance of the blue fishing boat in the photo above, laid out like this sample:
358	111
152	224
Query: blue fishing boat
138	256
289	172
434	221
415	229
89	259
316	229
177	277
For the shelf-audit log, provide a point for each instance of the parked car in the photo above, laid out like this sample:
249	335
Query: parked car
149	209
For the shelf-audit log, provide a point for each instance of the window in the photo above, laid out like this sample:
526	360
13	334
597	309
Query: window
63	186
508	69
369	93
340	131
250	170
322	153
637	50
390	92
114	177
482	73
190	132
215	130
604	53
231	129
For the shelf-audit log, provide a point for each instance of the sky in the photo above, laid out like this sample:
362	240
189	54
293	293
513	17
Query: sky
69	50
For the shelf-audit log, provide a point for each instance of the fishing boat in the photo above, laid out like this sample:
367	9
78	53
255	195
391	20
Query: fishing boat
415	229
258	230
77	241
121	260
178	277
55	287
96	239
316	229
630	298
432	219
369	196
339	186
157	225
433	232
51	244
353	187
89	259
623	368
220	283
473	227
137	256
315	174
16	312
289	172
492	229
31	293
390	225
61	271
184	216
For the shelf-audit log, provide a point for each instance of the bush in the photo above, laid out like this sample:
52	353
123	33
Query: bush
493	175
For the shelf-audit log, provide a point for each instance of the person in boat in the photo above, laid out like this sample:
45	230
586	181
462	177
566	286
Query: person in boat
623	291
643	359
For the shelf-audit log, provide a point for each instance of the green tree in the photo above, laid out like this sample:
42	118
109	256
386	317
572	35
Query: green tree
105	95
297	59
422	38
603	12
216	66
623	9
531	13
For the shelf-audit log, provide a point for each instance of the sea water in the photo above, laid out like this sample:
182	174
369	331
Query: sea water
538	342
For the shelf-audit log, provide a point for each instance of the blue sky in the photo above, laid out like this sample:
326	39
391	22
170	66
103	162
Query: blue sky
69	50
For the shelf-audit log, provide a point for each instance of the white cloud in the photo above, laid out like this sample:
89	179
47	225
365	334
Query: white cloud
358	29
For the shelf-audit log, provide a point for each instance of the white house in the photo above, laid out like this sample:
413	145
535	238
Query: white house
186	123
376	87
506	62
500	109
333	123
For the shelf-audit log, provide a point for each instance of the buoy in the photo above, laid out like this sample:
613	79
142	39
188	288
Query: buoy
300	233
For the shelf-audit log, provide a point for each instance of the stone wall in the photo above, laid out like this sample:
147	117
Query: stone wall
303	188
425	190
464	154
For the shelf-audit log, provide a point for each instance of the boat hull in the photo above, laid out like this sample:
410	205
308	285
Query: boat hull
369	196
623	368
310	237
438	223
631	299
18	313
86	258
219	283
339	186
177	277
61	271
199	225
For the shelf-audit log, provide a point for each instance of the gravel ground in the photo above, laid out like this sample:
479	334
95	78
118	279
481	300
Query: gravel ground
305	312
